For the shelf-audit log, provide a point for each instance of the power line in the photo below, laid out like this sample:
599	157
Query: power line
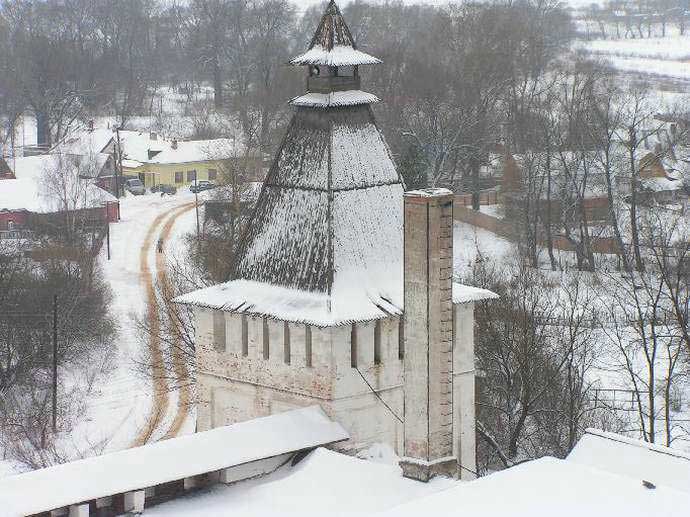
379	397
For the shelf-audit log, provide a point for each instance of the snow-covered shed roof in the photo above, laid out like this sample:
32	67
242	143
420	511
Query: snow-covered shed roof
52	183
166	461
332	44
549	486
635	458
330	482
324	483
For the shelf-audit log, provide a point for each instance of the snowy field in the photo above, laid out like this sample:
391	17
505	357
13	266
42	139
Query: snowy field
664	60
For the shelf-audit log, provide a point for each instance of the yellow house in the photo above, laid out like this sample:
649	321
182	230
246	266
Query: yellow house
179	163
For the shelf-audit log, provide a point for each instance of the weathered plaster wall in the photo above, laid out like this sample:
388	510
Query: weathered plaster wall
234	386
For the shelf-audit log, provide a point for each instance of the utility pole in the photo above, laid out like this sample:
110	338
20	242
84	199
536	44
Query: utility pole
55	361
118	169
107	236
196	207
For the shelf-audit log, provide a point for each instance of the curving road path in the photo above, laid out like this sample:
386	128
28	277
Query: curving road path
155	312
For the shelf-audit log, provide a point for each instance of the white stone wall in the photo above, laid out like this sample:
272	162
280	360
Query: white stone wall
233	387
464	440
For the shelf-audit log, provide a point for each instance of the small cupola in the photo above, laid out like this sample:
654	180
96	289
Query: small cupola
333	61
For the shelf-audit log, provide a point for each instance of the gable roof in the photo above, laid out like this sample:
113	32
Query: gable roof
332	44
189	151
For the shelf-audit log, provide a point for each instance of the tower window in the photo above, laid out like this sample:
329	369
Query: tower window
377	342
245	336
346	71
219	331
401	337
266	338
307	345
353	346
286	342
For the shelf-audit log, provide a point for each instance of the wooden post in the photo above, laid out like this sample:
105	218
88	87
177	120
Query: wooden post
134	501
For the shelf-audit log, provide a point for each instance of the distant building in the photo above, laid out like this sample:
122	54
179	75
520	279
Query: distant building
43	188
156	161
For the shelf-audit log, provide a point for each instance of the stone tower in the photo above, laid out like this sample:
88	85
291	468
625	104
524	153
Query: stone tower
314	314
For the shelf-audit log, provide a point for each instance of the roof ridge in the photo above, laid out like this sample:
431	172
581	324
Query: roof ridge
655	447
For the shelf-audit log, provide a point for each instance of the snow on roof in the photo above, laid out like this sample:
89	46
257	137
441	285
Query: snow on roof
137	144
198	151
334	99
325	243
657	184
634	458
332	43
86	142
465	294
549	486
324	483
167	460
340	55
52	183
293	305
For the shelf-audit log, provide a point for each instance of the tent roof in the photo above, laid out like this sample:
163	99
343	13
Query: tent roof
332	44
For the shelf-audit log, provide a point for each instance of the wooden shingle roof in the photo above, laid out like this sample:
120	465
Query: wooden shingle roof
332	44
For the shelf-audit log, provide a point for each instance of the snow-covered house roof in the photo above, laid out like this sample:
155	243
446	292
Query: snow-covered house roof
168	460
198	151
136	146
634	458
87	142
332	44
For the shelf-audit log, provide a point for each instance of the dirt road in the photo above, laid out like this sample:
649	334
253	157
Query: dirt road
155	312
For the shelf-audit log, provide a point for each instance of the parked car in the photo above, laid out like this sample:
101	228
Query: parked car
201	186
164	189
135	186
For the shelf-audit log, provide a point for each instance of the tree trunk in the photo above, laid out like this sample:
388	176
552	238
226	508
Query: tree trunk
217	83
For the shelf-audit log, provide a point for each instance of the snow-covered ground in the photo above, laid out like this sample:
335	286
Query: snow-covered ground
663	60
122	400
